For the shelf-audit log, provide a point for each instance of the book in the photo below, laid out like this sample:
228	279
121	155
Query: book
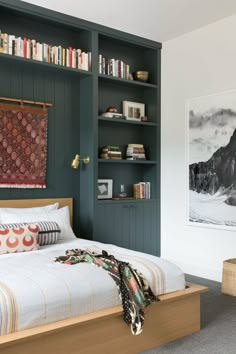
112	115
135	145
114	152
31	49
141	190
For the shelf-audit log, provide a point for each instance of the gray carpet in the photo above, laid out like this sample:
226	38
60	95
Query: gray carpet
218	320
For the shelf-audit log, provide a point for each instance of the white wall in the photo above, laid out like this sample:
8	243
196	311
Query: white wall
199	63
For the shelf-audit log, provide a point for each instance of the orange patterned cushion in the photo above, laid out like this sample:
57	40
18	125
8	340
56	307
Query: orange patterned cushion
19	239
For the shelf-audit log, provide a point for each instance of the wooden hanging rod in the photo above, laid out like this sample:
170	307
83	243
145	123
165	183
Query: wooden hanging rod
44	104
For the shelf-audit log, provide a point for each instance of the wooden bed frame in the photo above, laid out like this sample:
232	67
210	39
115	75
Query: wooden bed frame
175	316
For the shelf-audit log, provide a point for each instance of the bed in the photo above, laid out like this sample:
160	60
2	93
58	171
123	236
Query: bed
94	325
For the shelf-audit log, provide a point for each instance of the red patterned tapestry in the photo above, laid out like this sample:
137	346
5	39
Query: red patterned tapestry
23	146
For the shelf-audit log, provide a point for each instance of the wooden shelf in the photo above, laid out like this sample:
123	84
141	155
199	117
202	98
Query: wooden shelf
125	82
14	58
126	201
124	121
140	162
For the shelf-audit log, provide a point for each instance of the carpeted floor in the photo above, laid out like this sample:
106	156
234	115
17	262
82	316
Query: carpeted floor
218	319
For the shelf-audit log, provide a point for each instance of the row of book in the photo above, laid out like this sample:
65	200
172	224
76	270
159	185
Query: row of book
111	153
113	67
135	152
31	49
142	190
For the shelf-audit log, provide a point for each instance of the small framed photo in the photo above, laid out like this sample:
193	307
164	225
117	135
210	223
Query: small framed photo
133	110
105	188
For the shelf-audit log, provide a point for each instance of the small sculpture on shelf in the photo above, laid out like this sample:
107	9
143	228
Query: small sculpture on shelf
144	119
141	76
122	193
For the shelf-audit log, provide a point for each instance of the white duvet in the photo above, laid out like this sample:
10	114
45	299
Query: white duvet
35	290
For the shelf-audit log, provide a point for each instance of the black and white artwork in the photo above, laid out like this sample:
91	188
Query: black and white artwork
212	160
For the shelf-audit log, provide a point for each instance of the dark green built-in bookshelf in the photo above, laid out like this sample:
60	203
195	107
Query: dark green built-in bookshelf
75	123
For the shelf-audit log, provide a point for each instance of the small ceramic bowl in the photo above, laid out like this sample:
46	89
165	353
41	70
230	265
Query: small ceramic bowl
141	75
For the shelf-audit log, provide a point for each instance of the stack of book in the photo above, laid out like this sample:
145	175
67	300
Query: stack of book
111	153
31	49
135	152
113	67
141	190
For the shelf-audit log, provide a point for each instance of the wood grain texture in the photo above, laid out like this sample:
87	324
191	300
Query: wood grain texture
164	322
174	317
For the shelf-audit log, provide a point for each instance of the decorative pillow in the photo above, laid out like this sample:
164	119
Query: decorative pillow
19	239
48	233
60	216
34	210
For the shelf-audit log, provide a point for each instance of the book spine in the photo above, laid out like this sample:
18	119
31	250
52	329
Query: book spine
1	42
5	43
103	65
63	56
89	61
28	49
59	55
148	190
142	190
79	59
11	40
73	62
100	64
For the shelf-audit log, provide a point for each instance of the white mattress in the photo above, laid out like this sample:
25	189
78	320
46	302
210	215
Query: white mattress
35	290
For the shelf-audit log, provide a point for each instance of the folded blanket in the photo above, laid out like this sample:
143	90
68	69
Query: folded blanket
133	288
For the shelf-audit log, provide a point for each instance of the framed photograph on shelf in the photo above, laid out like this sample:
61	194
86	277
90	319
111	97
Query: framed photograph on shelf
133	110
105	188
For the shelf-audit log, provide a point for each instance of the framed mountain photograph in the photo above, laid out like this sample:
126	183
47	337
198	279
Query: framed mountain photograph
211	160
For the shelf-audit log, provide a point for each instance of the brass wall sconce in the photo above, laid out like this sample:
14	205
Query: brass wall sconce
76	161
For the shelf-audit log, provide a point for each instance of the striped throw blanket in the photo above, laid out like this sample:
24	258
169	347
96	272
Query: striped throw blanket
133	288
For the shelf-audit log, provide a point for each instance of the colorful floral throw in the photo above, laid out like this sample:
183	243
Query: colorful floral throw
23	146
133	288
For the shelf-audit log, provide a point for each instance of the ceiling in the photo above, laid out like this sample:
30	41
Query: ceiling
160	20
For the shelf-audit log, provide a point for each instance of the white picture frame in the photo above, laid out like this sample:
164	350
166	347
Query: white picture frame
104	188
210	126
133	110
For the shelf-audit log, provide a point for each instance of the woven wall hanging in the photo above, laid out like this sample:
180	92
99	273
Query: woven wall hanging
23	146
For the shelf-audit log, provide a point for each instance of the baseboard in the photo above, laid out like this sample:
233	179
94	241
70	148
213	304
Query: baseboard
199	270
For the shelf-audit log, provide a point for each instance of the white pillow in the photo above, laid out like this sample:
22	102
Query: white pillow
60	216
28	210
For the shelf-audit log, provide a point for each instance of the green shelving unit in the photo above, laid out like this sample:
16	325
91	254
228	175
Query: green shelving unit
75	124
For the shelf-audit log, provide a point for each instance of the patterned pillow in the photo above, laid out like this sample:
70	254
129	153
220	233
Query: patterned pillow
19	239
48	233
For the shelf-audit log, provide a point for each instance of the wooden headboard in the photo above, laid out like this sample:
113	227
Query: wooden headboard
30	203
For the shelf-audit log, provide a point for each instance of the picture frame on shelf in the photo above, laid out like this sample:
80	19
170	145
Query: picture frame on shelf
133	110
104	189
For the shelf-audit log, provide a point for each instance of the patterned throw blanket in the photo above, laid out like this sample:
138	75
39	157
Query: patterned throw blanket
133	289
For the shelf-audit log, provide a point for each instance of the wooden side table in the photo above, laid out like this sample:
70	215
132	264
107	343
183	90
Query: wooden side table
229	277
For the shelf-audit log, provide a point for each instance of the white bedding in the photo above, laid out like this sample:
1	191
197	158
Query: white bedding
35	290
